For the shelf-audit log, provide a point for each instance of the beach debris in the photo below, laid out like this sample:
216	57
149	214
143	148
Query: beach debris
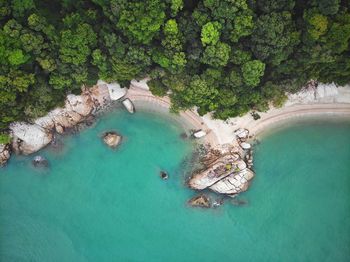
246	146
199	134
164	175
200	201
112	139
129	105
40	161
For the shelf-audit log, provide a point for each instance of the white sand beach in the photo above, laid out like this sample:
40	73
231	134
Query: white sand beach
325	100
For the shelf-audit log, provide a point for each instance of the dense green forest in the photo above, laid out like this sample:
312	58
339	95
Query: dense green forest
225	56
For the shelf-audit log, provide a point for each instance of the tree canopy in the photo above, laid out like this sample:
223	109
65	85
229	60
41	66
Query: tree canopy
223	56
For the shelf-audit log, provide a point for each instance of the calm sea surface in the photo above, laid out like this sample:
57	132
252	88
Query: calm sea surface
99	204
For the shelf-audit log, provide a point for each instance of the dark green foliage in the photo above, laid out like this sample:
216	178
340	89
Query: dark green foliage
224	56
274	37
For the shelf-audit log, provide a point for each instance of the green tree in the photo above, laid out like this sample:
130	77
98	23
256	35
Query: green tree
252	71
328	7
76	45
210	34
274	37
217	55
142	20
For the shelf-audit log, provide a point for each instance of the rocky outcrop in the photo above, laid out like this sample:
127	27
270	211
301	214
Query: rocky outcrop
218	170
234	183
225	168
29	138
5	153
112	139
200	201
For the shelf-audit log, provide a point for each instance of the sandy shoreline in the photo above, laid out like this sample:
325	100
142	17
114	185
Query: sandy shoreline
136	94
326	100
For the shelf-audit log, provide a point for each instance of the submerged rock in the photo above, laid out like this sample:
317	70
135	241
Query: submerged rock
112	139
40	161
5	153
183	135
200	201
164	175
239	202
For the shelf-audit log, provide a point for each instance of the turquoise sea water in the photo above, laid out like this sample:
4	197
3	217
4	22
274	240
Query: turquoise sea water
98	204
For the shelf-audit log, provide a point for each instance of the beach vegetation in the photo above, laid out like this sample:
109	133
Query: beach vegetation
4	138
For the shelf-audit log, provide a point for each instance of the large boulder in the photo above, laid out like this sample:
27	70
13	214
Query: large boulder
234	183
82	104
65	118
5	154
29	138
242	133
112	139
99	95
218	170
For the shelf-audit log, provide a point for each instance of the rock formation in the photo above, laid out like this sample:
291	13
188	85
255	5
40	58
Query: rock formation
5	153
112	139
225	170
200	201
29	138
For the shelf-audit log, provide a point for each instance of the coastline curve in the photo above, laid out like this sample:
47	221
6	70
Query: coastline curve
136	94
279	117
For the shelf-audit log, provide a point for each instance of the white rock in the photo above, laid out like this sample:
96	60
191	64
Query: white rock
248	174
199	134
115	91
242	133
81	104
129	105
142	84
245	145
45	122
241	165
29	138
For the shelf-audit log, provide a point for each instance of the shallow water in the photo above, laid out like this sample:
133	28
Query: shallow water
99	204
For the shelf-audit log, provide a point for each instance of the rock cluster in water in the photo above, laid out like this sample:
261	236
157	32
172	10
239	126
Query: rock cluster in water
227	168
28	138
